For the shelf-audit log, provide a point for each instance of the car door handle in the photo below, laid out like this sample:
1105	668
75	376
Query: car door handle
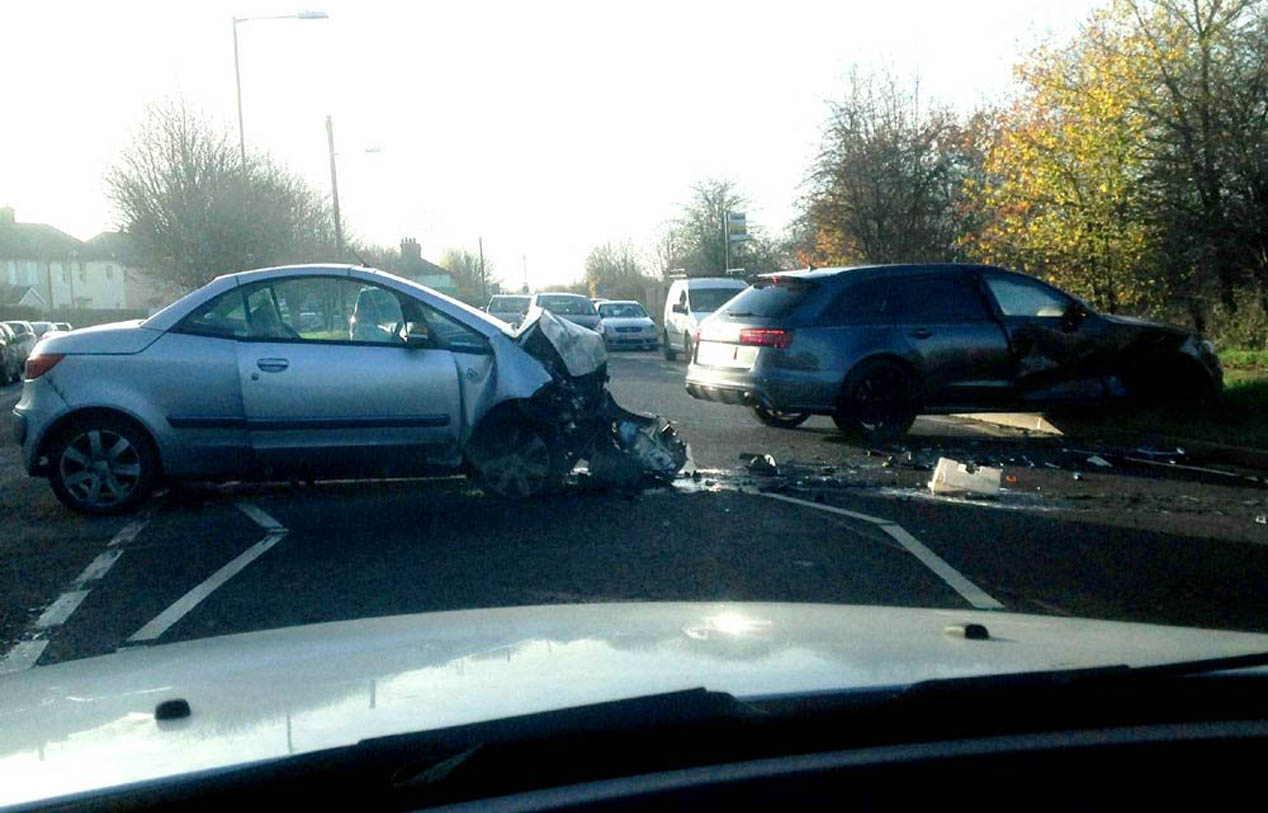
920	333
272	365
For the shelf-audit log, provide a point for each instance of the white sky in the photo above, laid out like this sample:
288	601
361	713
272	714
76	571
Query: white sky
545	127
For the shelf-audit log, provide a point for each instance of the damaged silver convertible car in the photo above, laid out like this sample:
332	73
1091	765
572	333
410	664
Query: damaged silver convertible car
325	371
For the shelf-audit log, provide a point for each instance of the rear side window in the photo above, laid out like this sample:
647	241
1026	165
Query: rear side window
937	300
769	297
1022	297
866	302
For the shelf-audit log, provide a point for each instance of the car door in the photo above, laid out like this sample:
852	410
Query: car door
1057	344
344	391
946	326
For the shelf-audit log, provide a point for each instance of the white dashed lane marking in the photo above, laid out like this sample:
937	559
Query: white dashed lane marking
26	652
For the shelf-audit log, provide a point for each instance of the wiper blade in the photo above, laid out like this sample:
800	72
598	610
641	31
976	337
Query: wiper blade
740	313
1068	677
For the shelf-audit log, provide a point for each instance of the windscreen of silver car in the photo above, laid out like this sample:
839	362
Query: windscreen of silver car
708	300
621	311
567	305
773	297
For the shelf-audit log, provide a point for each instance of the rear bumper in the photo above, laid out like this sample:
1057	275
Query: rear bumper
778	388
741	396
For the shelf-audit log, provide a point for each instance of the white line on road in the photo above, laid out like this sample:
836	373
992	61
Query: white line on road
98	567
956	580
260	517
128	532
55	614
25	653
973	594
164	620
22	656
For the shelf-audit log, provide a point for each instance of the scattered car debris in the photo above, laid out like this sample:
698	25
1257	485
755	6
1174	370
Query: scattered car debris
762	464
1262	519
1010	478
1097	460
953	477
1078	476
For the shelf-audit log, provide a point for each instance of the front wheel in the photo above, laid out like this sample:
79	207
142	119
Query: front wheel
515	461
779	420
102	466
670	354
876	402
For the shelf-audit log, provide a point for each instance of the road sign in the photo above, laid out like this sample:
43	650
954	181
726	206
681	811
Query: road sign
736	227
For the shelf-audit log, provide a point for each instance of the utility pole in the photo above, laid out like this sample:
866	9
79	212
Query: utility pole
484	282
237	79
334	188
726	243
524	260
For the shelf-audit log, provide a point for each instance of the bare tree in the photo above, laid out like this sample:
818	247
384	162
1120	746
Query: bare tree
195	212
887	183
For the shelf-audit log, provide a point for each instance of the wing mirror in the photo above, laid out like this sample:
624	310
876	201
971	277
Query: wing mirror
1075	315
679	307
417	335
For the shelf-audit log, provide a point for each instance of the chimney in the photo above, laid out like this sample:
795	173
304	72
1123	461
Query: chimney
410	250
6	215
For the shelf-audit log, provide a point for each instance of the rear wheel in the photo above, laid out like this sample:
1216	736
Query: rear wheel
670	354
876	402
780	420
102	465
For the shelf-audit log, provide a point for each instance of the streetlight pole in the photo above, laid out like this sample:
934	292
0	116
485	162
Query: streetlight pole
334	188
237	72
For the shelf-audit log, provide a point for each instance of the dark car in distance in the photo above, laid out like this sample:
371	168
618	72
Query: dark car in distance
874	346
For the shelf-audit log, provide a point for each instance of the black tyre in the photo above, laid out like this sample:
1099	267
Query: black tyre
670	353
686	347
515	460
102	465
779	420
877	402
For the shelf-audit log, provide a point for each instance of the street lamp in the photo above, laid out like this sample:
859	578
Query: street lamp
334	184
237	74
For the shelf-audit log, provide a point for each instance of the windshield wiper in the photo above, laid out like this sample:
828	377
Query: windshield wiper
740	313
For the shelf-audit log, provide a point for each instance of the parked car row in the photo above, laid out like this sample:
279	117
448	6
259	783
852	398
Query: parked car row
17	339
621	323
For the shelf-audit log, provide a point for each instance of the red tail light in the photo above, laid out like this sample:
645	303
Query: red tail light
775	337
37	366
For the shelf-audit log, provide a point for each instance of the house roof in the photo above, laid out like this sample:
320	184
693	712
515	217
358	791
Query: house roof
110	245
35	241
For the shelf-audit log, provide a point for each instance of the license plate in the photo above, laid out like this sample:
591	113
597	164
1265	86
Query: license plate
719	354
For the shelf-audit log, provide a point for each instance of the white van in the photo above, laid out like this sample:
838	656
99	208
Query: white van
690	300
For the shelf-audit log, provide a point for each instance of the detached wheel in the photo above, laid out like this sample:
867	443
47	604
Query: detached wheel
670	354
877	402
102	466
779	420
515	461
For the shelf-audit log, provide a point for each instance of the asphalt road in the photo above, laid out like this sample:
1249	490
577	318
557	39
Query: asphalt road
839	525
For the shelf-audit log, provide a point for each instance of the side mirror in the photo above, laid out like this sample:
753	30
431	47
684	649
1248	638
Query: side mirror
417	335
1074	315
679	308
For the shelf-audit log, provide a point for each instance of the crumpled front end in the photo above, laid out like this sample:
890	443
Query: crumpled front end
621	446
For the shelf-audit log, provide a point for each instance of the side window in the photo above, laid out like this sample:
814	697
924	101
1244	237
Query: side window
1021	297
313	308
451	334
224	317
863	303
936	300
265	316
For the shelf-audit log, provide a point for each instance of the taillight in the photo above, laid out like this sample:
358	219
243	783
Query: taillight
37	366
775	337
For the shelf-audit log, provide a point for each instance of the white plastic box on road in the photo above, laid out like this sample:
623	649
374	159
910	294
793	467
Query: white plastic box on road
953	477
